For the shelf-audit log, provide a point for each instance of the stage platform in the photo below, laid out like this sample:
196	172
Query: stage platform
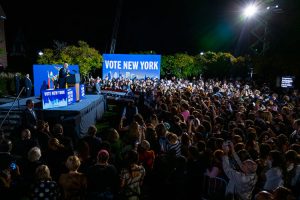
76	118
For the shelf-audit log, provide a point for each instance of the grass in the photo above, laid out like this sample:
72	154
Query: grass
110	119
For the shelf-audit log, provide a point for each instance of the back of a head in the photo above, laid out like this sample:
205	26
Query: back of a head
34	154
92	131
291	156
263	195
277	158
73	163
29	102
283	193
161	130
145	145
42	172
132	157
58	129
54	144
112	135
103	156
25	134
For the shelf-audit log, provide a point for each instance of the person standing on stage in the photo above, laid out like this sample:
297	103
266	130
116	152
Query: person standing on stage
17	83
28	85
63	73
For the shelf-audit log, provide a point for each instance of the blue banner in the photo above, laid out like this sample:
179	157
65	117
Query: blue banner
54	98
131	66
46	76
82	91
71	95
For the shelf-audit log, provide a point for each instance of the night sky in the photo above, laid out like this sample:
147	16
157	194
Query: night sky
164	26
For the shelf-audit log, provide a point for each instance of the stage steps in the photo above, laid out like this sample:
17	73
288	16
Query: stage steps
12	122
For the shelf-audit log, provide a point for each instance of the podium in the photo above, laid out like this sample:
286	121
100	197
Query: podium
74	80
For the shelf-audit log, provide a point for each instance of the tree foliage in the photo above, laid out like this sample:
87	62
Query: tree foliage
83	55
211	64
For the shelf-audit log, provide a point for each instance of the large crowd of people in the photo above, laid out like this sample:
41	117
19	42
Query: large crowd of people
180	139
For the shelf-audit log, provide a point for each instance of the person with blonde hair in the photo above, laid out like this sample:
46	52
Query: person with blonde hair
73	183
44	188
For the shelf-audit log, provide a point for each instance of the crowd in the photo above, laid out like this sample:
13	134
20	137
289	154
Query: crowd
180	139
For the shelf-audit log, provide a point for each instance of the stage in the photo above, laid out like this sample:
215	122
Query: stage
76	118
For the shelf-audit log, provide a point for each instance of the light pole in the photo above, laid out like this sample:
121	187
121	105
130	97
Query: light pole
259	13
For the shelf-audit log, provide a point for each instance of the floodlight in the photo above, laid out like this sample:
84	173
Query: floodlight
250	11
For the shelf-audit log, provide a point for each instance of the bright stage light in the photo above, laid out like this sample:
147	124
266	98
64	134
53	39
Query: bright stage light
250	11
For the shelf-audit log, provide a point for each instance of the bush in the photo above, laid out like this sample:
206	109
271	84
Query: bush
7	83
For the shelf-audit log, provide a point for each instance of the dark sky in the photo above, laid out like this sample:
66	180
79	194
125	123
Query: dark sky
165	26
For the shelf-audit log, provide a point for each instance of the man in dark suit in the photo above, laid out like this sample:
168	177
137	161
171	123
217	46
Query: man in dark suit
28	85
63	73
29	119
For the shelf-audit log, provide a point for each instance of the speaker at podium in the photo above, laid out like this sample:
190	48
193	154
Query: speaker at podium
73	80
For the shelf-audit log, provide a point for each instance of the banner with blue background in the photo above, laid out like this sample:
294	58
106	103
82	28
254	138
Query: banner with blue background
131	66
45	76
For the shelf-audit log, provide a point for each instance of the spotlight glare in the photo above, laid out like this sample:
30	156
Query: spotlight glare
250	11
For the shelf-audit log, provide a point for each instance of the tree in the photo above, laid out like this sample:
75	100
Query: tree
86	57
183	65
219	64
167	64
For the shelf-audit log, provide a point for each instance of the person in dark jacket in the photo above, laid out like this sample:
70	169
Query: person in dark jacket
29	119
63	73
28	85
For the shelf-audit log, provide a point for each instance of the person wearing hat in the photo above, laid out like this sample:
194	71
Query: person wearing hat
242	182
